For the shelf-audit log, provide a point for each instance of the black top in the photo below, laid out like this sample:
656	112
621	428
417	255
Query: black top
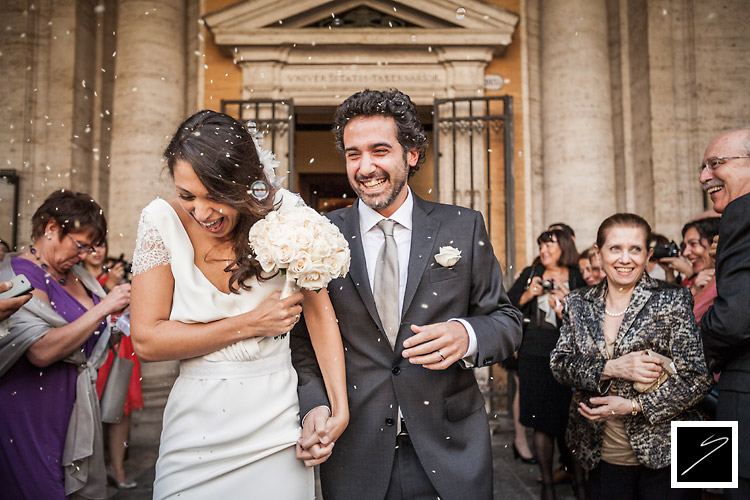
539	337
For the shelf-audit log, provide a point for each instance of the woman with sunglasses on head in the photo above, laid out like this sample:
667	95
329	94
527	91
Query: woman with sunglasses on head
538	293
50	433
618	342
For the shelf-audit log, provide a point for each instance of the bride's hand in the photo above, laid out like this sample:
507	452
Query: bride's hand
274	315
336	425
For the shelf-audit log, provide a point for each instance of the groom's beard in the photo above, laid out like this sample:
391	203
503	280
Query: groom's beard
395	184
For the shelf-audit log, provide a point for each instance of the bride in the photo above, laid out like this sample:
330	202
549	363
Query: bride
232	418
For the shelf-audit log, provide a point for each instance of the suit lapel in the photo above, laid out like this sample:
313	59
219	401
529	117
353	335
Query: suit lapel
423	236
358	267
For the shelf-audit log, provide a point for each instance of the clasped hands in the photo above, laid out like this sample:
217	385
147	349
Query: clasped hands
435	347
636	366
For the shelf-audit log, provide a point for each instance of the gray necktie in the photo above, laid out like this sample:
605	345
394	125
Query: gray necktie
385	289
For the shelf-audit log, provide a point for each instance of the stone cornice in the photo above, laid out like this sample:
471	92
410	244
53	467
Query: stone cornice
366	36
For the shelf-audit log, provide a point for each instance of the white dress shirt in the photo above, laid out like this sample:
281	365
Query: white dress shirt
373	239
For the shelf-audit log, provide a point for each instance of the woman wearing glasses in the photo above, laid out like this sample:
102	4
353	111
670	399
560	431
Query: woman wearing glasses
50	434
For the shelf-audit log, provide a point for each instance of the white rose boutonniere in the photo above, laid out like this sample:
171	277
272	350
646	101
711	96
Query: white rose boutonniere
448	256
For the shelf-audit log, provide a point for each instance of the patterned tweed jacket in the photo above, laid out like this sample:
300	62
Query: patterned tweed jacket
659	317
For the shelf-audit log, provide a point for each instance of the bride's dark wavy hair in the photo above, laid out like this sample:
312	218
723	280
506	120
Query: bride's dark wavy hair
222	153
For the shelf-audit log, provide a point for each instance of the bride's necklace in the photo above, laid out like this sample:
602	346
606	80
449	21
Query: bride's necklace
46	268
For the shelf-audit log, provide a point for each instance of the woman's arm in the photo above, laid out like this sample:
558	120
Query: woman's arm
692	381
320	319
59	342
156	338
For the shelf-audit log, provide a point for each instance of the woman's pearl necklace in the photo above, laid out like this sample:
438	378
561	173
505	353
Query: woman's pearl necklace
614	315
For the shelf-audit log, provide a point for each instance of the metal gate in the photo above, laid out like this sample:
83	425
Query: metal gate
275	120
473	140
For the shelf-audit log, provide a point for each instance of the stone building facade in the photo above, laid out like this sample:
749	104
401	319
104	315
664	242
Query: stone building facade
612	102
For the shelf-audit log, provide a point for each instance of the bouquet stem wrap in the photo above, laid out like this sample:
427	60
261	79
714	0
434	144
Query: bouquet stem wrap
290	287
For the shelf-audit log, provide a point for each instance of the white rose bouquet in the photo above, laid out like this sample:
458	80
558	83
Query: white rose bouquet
304	245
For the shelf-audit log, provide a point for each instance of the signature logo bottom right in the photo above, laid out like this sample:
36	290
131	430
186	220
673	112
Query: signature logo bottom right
704	454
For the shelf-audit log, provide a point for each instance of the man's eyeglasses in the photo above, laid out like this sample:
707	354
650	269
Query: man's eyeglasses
82	247
717	161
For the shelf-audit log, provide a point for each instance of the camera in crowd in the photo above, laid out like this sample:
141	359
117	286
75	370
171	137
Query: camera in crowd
127	266
548	286
670	250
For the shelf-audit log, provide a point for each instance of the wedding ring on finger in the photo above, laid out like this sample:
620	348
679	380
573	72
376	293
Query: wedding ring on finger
296	318
613	412
442	358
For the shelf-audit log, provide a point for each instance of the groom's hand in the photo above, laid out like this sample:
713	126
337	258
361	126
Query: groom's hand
437	346
314	447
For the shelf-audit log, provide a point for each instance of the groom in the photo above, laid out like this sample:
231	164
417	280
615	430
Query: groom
412	325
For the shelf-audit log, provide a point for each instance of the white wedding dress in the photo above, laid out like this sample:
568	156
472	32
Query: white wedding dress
232	418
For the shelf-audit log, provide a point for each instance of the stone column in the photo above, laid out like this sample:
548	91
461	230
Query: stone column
149	104
578	149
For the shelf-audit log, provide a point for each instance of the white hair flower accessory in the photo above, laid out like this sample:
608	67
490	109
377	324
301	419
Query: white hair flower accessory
448	256
267	158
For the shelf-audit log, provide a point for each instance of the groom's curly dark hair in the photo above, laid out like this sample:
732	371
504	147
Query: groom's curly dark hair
391	102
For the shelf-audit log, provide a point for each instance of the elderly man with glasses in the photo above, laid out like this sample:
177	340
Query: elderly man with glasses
725	175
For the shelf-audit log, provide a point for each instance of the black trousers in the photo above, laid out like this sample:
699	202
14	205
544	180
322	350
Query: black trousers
409	480
621	482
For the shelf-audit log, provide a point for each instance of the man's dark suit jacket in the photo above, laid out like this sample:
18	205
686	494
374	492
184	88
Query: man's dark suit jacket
726	324
444	410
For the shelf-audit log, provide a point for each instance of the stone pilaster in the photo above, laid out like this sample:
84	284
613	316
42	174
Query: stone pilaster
576	115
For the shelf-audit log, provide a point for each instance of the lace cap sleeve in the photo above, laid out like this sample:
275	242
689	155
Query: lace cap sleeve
150	250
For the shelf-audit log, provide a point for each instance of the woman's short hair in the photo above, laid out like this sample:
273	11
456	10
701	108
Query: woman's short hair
707	228
222	153
393	103
623	220
568	252
72	212
587	254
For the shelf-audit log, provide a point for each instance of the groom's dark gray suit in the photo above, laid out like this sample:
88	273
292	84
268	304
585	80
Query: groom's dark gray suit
443	409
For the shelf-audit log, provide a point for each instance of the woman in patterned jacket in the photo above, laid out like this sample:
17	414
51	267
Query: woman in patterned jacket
629	331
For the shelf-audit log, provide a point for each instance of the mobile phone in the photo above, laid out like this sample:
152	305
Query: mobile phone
21	286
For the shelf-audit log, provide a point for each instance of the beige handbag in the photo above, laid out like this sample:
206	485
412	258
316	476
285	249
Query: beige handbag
115	391
667	367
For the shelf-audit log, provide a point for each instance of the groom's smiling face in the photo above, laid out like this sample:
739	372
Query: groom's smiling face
376	164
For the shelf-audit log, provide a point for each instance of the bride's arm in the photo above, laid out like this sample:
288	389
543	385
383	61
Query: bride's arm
320	319
156	338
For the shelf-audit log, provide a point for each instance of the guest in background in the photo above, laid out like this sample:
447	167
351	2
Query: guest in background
4	249
664	269
55	341
117	434
538	293
697	237
620	435
108	272
590	267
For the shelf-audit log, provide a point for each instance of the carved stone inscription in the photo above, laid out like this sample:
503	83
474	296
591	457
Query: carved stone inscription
304	77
